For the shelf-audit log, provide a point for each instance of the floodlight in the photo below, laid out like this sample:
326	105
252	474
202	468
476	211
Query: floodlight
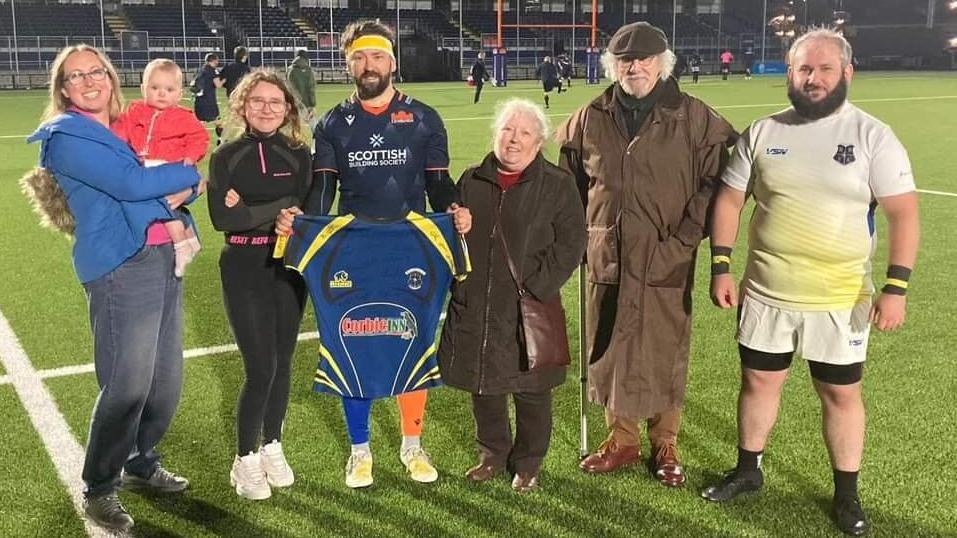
953	5
952	42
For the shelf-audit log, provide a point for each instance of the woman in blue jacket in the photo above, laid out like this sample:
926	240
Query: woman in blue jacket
124	259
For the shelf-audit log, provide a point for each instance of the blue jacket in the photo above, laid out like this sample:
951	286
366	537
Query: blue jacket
112	197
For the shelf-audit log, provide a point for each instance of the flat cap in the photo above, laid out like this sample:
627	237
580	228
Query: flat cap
638	39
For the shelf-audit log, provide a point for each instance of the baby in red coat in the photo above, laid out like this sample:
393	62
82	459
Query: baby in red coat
161	131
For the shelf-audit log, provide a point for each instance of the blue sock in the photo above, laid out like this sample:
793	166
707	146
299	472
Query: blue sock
357	411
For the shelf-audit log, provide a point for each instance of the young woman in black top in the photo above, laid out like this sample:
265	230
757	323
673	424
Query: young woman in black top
251	178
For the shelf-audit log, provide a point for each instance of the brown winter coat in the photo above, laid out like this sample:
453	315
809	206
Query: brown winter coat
544	225
647	201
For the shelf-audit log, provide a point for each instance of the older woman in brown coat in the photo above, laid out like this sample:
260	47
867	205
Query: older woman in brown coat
535	204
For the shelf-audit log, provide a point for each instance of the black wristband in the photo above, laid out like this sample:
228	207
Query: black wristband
897	280
720	260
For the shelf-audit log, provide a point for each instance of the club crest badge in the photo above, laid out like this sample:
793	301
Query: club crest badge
845	154
415	278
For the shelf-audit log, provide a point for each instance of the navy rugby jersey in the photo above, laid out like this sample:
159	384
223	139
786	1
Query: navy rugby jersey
378	289
383	157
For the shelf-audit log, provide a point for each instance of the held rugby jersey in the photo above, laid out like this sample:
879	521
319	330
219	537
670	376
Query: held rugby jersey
386	159
378	289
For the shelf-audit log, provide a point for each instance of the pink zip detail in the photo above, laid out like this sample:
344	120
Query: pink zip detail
149	134
262	158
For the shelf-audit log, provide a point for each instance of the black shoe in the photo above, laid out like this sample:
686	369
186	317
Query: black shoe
849	516
106	511
162	481
734	483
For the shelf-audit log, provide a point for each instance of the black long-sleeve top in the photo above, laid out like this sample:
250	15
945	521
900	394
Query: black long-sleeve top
267	173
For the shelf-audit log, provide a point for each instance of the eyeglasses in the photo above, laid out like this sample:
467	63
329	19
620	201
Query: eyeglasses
97	74
646	61
261	104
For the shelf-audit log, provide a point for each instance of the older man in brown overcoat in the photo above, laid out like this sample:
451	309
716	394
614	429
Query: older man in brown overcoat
646	156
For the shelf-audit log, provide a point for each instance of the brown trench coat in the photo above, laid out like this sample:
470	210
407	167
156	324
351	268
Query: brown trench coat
544	225
646	204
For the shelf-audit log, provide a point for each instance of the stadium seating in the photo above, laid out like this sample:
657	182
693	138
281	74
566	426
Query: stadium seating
167	20
275	22
63	20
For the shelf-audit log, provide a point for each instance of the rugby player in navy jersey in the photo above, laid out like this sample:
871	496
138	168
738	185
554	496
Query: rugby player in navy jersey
384	152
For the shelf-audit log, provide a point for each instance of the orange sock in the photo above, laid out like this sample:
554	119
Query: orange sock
412	411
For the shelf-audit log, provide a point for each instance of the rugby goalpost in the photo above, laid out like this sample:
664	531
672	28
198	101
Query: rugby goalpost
499	57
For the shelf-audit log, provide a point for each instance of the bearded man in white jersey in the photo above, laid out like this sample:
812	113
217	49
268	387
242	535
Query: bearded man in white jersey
817	172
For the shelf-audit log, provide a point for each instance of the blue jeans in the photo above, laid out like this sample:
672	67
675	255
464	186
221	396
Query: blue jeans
136	313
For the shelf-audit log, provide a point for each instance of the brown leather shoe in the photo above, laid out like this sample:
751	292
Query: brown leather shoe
525	482
666	468
483	471
609	457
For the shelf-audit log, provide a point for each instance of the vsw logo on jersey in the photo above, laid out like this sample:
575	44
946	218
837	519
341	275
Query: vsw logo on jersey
776	151
845	154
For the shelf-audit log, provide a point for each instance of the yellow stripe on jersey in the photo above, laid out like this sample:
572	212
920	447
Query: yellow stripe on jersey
335	367
323	379
337	224
432	374
434	235
428	353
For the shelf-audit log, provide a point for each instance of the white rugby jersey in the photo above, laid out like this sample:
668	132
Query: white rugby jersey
816	185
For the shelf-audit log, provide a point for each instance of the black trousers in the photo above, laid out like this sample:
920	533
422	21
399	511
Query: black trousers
478	91
264	304
533	429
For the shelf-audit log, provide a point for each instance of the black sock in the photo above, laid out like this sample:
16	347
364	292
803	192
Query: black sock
546	101
845	483
749	461
219	133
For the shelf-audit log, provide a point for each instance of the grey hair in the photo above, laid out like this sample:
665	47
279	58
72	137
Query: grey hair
666	60
823	34
519	106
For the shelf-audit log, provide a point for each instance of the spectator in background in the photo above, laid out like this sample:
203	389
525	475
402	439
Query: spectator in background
550	77
204	93
694	62
235	71
726	59
748	63
479	75
303	82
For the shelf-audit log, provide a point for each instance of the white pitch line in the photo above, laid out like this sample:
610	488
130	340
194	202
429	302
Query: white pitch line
718	107
76	369
63	449
939	193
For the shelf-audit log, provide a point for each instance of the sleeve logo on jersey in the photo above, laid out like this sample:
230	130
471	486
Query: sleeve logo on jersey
415	278
403	326
402	116
776	151
845	154
340	280
350	118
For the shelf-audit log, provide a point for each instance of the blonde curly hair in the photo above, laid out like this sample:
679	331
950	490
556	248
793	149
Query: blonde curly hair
292	127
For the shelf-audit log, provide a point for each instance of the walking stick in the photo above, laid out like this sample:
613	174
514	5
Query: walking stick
582	365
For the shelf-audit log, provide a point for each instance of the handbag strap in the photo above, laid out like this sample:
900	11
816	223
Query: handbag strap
511	265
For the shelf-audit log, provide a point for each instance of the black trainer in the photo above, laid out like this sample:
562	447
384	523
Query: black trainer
849	516
106	511
162	481
733	484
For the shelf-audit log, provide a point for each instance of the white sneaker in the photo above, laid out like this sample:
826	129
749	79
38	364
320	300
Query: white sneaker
359	470
248	478
278	472
417	462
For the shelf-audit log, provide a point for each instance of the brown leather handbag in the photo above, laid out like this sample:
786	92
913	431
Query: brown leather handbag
543	323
